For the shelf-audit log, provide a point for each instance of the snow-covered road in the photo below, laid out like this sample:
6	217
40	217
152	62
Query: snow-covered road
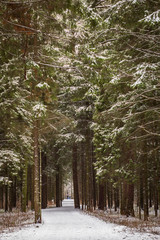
66	223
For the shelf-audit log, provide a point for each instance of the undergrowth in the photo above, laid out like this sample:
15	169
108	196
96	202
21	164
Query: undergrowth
9	220
151	226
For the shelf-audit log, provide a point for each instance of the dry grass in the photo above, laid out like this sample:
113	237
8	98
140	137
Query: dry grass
151	226
9	220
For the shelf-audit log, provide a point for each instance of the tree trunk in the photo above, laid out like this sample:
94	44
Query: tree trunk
94	189
116	198
82	174
139	197
58	179
32	187
127	200
44	181
89	170
6	197
58	187
145	190
75	176
124	198
94	177
24	187
130	200
37	203
102	192
85	180
145	200
12	194
156	201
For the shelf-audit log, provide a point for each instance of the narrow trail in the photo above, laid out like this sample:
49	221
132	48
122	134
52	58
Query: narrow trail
66	223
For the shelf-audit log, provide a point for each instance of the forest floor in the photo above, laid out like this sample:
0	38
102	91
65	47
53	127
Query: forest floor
15	219
134	224
67	223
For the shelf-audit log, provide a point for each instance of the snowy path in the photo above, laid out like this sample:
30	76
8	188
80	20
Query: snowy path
66	223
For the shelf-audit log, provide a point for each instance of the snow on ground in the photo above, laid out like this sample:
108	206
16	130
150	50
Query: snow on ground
66	223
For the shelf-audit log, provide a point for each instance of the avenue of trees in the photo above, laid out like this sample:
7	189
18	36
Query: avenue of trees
80	96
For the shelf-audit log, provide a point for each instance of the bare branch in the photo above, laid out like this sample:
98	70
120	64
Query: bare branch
22	26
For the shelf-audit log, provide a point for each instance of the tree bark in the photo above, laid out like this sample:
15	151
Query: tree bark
82	174
130	200
44	181
75	176
37	203
93	176
58	187
6	197
102	197
24	187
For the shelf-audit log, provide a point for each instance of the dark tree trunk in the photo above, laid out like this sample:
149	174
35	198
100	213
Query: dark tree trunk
44	181
85	185
145	189
94	178
156	201
75	176
124	198
146	210
1	196
116	199
94	189
30	187
89	170
61	186
82	175
102	192
49	187
37	203
139	197
108	195
141	191
150	194
11	197
24	187
14	192
58	187
58	180
130	200
6	197
127	200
